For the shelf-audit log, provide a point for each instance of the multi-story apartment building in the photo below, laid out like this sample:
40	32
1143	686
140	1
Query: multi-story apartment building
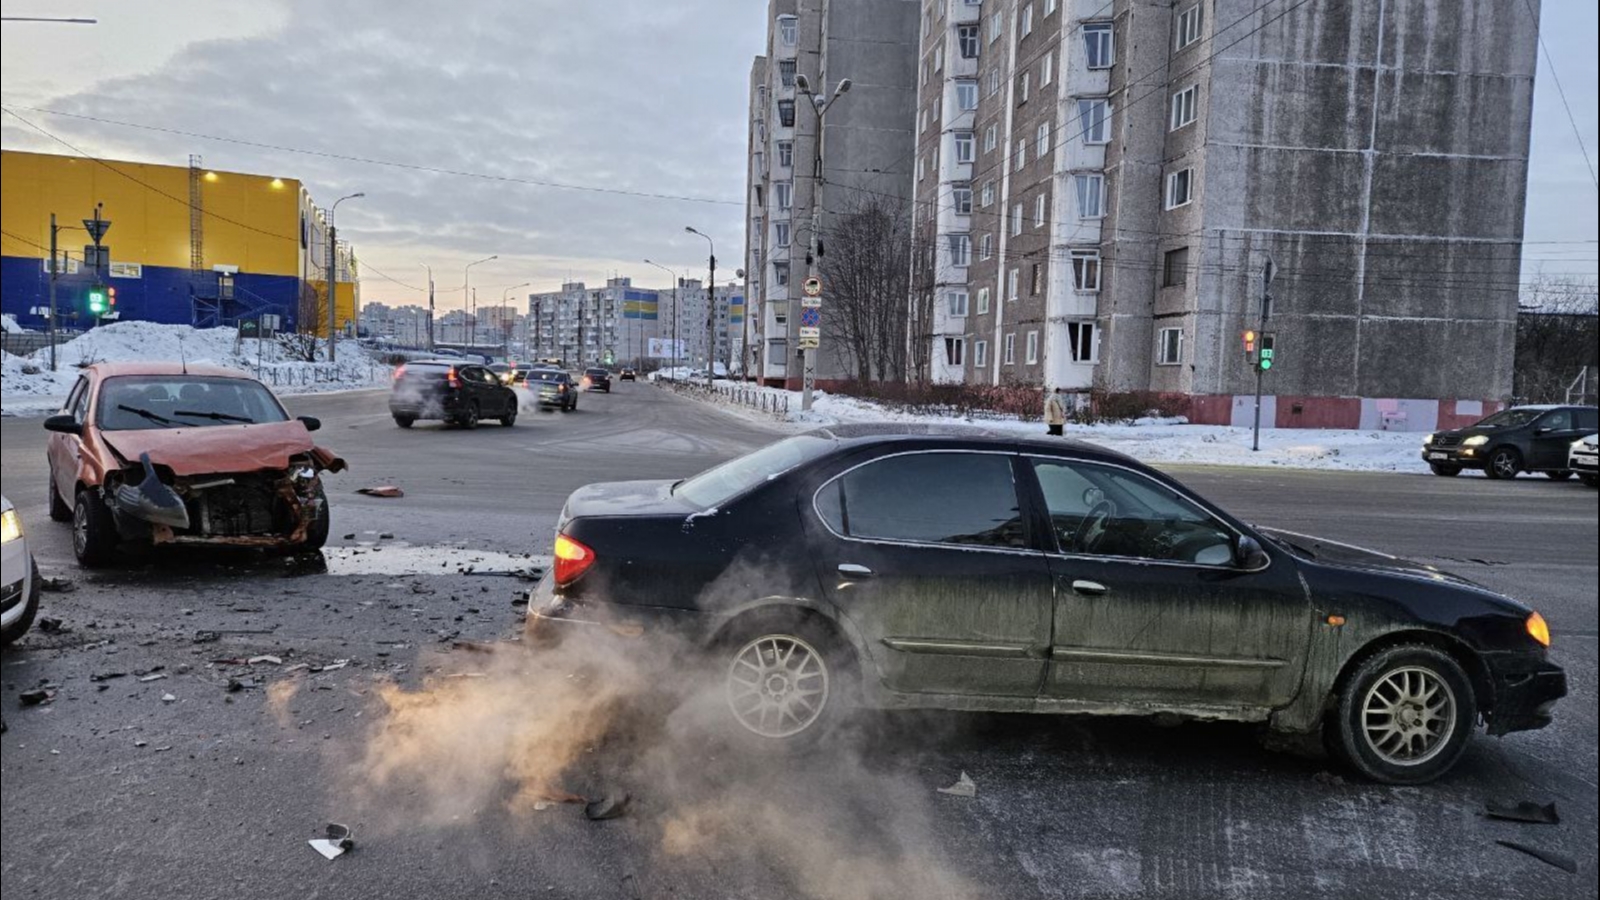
866	139
579	324
404	325
1136	165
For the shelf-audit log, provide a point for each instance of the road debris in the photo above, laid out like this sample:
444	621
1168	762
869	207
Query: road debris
265	658
38	697
53	626
338	842
382	490
1523	811
1561	861
55	584
334	666
169	698
154	676
106	676
611	806
473	646
964	787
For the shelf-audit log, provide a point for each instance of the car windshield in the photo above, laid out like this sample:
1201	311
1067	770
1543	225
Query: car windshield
1511	418
716	486
133	403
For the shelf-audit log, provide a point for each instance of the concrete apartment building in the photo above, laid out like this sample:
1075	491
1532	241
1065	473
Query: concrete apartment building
614	324
1134	166
867	137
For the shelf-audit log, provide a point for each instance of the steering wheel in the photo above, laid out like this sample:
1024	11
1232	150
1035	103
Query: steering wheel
1093	529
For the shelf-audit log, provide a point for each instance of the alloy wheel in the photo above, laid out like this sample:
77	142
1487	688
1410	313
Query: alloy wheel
1408	715
80	528
778	686
1505	464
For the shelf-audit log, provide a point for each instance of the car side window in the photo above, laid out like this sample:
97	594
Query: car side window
932	498
1099	510
78	400
1588	420
1559	420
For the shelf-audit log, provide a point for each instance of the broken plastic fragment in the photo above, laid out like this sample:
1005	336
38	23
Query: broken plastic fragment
1523	811
964	787
382	490
272	660
338	842
611	806
1561	861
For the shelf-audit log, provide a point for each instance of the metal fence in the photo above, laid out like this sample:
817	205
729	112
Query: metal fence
304	375
772	402
26	342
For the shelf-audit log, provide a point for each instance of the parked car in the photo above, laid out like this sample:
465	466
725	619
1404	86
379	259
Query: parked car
628	373
169	453
459	393
19	577
597	379
1512	441
960	569
1584	459
555	388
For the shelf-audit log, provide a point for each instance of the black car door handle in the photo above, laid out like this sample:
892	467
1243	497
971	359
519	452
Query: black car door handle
1089	588
851	570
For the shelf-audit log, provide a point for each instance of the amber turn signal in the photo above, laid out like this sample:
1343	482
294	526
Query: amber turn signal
1539	629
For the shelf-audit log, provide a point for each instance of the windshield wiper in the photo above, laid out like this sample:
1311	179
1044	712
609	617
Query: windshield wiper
671	491
145	413
214	416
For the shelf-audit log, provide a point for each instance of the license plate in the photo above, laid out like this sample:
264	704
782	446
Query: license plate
1438	456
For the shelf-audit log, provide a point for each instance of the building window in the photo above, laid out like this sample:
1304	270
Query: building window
786	154
965	146
980	354
759	203
783	194
1180	188
983	301
1016	219
994	82
786	72
1094	120
1083	342
1010	350
1099	49
938	58
1020	157
1086	271
781	234
780	274
1040	205
986	246
991	138
1183	103
786	113
1175	267
967	40
1033	348
954	350
1190	22
1022	88
1049	6
958	303
967	94
1027	20
960	250
962	197
1042	140
1169	347
1091	196
987	194
1047	69
1036	280
1013	280
786	30
922	168
997	24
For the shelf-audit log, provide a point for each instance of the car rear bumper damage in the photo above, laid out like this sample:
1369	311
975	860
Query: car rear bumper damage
1526	688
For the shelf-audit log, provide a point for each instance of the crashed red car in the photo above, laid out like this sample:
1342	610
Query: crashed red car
167	453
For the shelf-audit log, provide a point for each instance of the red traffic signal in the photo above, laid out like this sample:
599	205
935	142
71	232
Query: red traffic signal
111	297
1250	344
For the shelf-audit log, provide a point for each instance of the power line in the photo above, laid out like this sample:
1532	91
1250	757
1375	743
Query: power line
1550	64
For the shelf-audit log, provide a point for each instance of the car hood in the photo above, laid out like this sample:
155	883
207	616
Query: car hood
1349	556
626	498
221	448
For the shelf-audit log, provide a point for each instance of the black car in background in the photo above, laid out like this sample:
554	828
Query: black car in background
553	388
459	393
1512	441
597	379
628	373
959	569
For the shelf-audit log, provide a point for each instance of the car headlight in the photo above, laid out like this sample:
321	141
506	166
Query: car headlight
10	526
1578	444
1428	441
1477	440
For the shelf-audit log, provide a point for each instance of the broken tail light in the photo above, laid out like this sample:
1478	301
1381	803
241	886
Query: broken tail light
572	560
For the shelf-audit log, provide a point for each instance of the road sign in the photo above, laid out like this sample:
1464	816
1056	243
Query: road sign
810	302
810	317
812	286
97	227
810	343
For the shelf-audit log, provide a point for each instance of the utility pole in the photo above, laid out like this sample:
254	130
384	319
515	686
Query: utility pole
808	365
1267	273
53	229
580	332
711	307
333	275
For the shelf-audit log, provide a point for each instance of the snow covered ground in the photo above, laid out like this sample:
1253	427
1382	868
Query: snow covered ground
1149	440
28	387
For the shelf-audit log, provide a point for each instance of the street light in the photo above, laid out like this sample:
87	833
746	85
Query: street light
674	276
808	366
466	298
333	275
430	305
711	307
505	300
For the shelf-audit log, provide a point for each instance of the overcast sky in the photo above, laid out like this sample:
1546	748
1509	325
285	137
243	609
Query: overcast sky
636	95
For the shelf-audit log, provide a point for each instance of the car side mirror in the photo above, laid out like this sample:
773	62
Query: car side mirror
63	423
1250	555
312	423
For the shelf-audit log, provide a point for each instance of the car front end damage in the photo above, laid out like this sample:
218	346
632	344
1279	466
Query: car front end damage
1526	686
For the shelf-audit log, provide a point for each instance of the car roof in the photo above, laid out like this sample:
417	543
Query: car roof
1541	407
164	367
964	436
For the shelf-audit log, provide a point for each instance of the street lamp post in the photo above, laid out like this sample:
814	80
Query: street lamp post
711	306
467	304
333	275
505	301
808	366
674	276
430	305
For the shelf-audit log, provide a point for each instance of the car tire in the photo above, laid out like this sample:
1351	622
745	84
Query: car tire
1559	474
1415	686
510	418
30	609
1445	471
94	532
811	659
59	510
1590	480
1503	463
404	421
469	419
317	533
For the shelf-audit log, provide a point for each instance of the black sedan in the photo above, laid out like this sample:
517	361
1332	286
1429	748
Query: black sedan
597	379
459	393
960	569
1520	439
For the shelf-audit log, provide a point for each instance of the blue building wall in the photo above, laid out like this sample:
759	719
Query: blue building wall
161	294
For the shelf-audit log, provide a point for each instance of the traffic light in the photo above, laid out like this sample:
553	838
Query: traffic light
97	300
1250	345
111	299
1267	354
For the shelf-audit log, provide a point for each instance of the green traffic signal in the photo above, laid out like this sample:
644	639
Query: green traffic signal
97	301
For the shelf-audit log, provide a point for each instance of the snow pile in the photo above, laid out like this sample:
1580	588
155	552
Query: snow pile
1152	440
27	386
8	324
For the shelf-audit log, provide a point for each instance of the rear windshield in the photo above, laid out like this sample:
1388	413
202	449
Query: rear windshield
140	402
1511	418
716	486
599	372
427	370
548	376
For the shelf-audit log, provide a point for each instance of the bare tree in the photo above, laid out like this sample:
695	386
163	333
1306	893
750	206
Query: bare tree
1558	335
919	321
302	344
867	268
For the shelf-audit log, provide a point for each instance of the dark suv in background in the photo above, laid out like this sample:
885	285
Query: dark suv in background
597	379
1512	441
459	393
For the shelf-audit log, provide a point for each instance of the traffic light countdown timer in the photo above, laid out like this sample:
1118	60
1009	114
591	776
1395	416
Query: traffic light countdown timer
101	300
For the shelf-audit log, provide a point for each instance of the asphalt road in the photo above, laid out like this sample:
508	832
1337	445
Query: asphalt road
113	790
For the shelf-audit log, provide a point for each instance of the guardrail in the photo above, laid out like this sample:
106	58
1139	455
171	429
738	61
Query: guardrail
765	400
304	375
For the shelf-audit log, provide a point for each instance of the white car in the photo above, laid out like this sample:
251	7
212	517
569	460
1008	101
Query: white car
19	578
1584	458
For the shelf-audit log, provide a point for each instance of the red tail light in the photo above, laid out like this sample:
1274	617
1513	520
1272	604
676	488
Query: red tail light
399	371
572	560
451	379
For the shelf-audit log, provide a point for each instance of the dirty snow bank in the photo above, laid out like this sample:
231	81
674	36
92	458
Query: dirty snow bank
27	386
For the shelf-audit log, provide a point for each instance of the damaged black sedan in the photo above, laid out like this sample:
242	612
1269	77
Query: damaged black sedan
959	569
